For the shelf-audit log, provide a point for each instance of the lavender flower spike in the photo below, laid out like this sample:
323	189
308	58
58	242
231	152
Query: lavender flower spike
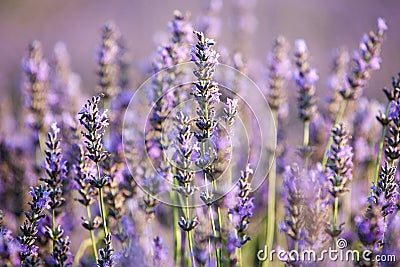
107	59
95	124
305	78
243	210
366	59
230	111
339	171
29	251
106	258
36	71
56	168
205	91
278	72
384	194
370	228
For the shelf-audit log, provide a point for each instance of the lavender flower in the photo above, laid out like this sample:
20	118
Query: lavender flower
384	194
61	254
366	59
95	124
29	251
306	198
8	246
339	171
205	91
392	148
180	29
107	59
106	258
305	78
339	166
278	72
370	228
36	71
337	81
56	168
184	147
293	197
243	210
159	251
230	111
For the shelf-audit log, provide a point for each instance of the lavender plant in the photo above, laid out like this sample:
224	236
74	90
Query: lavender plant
127	226
28	254
339	172
366	59
95	123
56	171
242	213
305	78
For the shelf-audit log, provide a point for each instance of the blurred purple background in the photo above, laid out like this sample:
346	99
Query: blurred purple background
324	25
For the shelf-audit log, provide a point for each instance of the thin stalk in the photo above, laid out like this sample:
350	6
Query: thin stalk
190	241
101	201
381	142
102	211
306	133
53	226
177	234
240	257
217	255
92	238
87	242
219	218
306	141
84	245
270	226
338	119
335	216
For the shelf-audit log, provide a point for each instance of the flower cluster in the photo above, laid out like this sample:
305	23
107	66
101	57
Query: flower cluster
107	60
56	168
244	208
366	59
205	91
305	78
278	72
36	70
119	171
29	250
339	167
95	123
306	198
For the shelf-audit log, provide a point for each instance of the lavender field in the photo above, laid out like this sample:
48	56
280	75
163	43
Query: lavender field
204	133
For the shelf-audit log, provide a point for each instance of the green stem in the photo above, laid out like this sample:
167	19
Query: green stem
86	243
102	211
381	142
53	226
306	133
270	226
338	119
177	233
240	257
190	241
335	217
101	202
306	141
78	255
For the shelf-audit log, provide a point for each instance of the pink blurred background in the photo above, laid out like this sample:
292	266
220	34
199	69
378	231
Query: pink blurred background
325	25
